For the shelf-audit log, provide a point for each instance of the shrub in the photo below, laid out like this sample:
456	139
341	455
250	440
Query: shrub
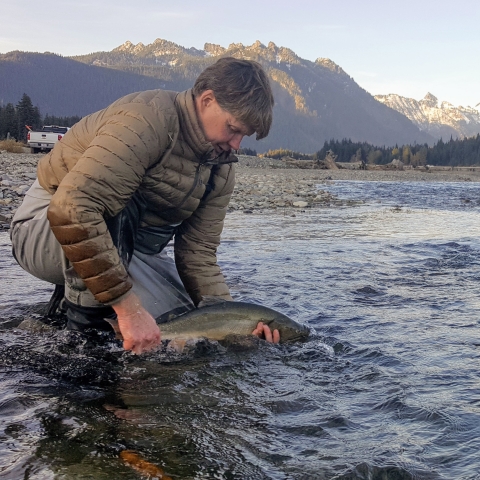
11	146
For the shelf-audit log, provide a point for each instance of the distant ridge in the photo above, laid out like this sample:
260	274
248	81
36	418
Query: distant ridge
441	120
315	101
64	87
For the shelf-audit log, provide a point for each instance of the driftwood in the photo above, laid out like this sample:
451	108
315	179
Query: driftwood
327	163
330	161
307	164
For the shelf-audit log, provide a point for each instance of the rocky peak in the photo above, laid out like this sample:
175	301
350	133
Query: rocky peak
330	64
430	100
258	44
236	46
157	48
139	47
441	120
214	50
125	47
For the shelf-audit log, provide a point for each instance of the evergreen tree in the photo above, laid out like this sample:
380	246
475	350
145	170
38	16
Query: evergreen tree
455	152
61	121
419	159
374	157
8	122
247	151
26	115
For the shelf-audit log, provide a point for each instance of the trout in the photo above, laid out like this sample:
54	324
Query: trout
220	320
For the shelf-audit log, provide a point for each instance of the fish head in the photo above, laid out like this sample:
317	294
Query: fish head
290	330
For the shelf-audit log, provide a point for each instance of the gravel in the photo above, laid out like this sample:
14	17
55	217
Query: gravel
262	184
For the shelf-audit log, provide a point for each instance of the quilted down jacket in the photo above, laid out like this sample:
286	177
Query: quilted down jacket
150	142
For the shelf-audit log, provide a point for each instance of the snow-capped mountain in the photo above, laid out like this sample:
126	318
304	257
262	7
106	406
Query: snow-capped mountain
439	119
315	101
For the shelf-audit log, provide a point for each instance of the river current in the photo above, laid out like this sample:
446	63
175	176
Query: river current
387	386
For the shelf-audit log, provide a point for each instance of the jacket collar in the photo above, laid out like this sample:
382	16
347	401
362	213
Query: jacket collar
193	133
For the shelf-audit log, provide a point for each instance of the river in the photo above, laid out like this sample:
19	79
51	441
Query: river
387	386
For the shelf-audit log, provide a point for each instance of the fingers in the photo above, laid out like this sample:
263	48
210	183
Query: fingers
267	333
139	346
138	349
276	336
263	331
139	330
258	332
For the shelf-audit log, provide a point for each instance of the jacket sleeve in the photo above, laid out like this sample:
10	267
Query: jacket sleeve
198	238
101	183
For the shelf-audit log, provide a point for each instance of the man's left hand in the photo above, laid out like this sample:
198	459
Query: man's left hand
263	331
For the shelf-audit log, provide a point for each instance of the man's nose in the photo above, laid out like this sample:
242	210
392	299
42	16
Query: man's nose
235	142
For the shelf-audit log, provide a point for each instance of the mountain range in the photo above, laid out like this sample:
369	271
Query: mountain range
441	120
315	101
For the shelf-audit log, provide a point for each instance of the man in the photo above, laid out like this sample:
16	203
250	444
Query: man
123	182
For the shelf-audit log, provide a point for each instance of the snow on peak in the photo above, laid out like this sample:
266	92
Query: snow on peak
439	120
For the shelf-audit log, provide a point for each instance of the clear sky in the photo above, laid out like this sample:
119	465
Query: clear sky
408	47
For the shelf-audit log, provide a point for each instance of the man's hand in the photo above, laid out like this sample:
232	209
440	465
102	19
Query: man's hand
263	331
139	330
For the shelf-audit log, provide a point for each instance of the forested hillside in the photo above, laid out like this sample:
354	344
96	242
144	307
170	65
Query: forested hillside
315	101
63	87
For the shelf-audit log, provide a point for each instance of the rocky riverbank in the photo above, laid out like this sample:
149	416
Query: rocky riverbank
262	184
17	173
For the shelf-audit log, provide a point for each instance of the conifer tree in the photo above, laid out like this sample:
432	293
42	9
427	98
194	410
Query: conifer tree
8	122
26	115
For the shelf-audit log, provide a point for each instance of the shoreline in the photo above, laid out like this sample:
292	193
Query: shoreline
436	174
262	184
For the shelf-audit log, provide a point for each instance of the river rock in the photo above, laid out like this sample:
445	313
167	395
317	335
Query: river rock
262	184
300	204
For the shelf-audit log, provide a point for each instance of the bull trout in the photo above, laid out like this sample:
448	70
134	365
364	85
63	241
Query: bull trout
218	321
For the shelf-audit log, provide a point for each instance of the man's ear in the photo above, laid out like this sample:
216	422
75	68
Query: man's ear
206	98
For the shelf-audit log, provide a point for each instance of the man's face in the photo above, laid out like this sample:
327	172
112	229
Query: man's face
220	128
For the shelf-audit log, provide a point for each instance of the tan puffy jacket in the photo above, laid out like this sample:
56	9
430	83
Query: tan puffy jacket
152	142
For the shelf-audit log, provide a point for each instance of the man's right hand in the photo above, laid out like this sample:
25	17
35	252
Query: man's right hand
139	330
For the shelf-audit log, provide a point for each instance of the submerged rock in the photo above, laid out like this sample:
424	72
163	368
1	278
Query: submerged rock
34	325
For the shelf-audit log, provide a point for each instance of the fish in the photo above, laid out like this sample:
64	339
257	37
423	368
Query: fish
219	321
223	319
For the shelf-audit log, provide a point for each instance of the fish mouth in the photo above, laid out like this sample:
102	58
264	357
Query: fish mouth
290	335
296	338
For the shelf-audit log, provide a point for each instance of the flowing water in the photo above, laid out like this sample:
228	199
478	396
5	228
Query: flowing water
387	387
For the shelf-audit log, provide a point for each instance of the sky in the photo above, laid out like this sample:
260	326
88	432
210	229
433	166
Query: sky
405	47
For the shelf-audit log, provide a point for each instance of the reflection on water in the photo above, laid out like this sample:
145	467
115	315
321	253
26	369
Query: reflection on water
388	387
